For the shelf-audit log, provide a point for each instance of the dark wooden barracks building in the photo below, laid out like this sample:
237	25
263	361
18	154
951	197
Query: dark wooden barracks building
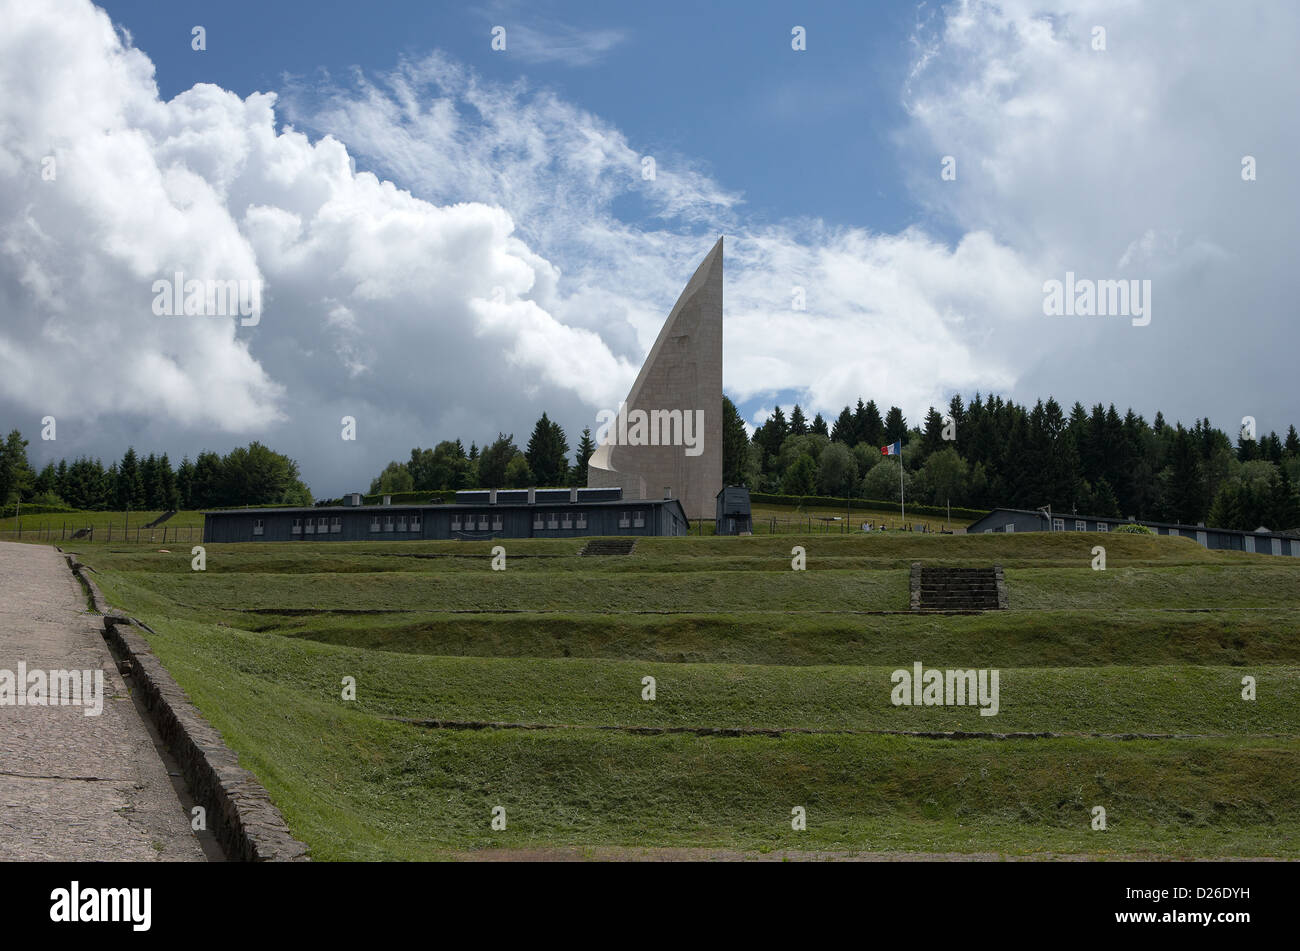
476	514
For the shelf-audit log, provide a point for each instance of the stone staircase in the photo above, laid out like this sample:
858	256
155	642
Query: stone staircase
940	588
608	546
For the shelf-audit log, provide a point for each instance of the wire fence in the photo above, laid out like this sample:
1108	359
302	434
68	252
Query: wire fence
122	532
833	525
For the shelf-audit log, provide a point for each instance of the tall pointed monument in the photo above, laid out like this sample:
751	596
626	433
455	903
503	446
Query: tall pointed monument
667	435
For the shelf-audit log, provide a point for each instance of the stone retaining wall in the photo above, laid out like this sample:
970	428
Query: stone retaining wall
239	811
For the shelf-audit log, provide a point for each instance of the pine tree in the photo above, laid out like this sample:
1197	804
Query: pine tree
547	453
860	423
1283	503
184	476
16	476
735	445
818	426
957	419
873	427
798	424
130	487
1186	491
932	440
842	430
587	446
895	426
168	496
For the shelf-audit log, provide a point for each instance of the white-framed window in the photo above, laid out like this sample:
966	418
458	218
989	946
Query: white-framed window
582	519
1009	527
566	520
1250	543
638	519
1103	527
1058	524
1080	525
483	522
1203	539
988	531
388	523
258	526
496	521
552	520
311	526
336	524
374	523
1172	531
401	523
297	526
417	523
1277	545
623	520
537	521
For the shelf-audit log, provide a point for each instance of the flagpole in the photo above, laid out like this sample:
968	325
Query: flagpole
902	505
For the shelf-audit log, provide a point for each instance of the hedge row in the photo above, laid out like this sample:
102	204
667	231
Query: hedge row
31	508
821	501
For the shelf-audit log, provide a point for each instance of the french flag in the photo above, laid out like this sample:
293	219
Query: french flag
893	449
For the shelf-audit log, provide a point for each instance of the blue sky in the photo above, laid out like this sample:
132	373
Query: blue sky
452	239
798	135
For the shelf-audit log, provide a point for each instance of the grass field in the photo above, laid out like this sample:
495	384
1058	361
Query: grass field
1135	672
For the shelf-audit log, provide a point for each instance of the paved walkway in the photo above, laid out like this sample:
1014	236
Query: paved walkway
74	787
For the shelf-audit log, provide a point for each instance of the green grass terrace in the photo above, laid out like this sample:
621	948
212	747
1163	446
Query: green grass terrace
524	688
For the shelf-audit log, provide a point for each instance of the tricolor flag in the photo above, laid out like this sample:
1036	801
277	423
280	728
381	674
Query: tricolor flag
893	449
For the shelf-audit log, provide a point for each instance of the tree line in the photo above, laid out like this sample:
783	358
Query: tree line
983	453
501	464
992	452
249	475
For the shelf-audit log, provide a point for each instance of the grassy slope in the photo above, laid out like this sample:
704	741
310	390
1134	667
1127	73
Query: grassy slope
187	522
376	788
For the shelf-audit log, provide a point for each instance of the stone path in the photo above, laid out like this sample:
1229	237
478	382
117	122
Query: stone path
74	787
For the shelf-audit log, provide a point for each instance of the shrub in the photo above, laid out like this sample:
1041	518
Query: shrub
1133	529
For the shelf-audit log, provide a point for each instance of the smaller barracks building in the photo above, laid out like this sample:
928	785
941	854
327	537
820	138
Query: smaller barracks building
1261	542
475	515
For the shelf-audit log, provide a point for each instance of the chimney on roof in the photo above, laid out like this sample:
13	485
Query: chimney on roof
354	498
573	494
492	496
668	492
388	500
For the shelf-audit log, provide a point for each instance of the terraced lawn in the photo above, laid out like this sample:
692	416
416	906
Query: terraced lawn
555	649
